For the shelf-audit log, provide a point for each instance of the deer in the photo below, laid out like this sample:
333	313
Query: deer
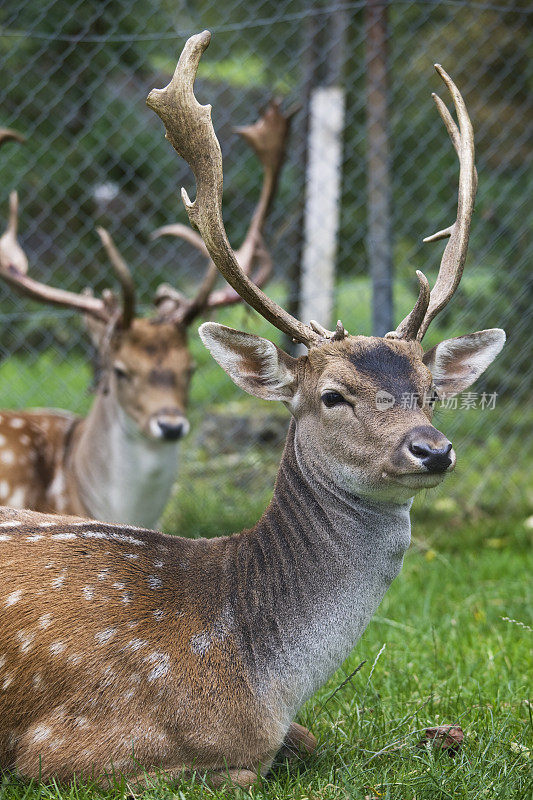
119	463
131	652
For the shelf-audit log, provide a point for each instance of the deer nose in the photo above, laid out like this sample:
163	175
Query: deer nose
169	425
432	448
171	431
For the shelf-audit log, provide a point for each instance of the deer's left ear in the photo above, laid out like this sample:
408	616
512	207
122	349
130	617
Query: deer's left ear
456	363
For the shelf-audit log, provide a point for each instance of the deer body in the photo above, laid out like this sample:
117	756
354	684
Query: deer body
117	642
125	641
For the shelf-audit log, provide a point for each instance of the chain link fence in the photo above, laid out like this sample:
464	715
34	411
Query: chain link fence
75	76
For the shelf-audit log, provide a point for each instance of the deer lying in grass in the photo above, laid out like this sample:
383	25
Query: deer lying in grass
129	650
119	463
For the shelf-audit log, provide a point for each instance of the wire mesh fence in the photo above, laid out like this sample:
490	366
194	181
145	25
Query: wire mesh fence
75	76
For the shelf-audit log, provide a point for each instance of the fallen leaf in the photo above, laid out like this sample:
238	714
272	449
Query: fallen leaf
443	737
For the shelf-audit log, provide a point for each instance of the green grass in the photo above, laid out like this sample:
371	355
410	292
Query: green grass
437	652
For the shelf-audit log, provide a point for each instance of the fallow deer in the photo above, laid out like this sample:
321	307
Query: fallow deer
119	463
128	650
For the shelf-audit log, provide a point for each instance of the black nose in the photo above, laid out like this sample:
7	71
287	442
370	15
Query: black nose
171	431
434	453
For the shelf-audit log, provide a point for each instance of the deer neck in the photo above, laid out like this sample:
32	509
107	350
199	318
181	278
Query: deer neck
316	567
120	475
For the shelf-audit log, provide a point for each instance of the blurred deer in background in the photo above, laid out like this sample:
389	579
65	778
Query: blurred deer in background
119	463
129	650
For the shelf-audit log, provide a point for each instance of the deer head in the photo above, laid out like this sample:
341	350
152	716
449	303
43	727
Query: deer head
145	364
343	435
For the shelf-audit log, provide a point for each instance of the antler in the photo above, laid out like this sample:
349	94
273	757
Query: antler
10	135
124	276
268	137
14	266
428	305
190	130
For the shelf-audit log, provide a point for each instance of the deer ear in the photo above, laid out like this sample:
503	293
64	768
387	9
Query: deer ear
456	363
254	364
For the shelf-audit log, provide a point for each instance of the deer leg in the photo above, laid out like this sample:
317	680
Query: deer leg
242	778
298	741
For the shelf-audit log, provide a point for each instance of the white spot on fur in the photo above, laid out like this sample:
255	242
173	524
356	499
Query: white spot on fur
26	641
25	439
88	592
7	457
75	659
154	582
200	643
2	661
4	489
17	499
5	538
16	422
40	733
126	598
105	636
133	556
161	664
8	680
37	680
158	614
34	538
95	535
64	536
121	537
44	621
9	524
56	648
103	574
81	722
47	524
2	440
13	598
119	586
136	644
58	582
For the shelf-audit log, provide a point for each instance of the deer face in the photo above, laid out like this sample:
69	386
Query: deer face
362	405
149	368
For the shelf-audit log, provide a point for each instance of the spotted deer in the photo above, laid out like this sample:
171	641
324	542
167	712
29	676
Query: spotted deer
119	463
129	651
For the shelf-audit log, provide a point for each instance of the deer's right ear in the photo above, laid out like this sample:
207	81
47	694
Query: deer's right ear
254	364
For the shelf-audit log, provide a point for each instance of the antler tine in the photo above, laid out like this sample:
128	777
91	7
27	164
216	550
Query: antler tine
10	135
124	277
14	266
183	232
11	253
228	296
454	256
268	138
190	131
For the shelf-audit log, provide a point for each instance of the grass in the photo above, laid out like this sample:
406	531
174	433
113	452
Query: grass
441	648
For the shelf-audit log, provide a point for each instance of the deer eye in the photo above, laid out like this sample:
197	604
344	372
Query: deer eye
120	371
331	399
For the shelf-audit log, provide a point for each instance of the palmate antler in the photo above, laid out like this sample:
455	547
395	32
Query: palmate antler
268	137
428	305
14	267
190	130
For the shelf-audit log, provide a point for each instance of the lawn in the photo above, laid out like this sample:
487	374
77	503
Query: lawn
450	644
